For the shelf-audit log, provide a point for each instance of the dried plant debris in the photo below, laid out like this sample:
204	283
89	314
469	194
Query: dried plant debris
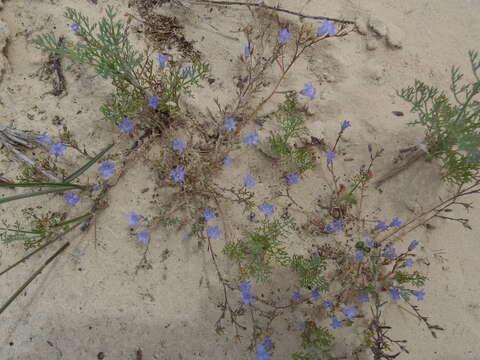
166	31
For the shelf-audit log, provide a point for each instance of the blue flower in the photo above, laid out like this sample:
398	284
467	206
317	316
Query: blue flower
346	124
335	226
57	149
326	28
369	243
350	312
107	168
308	91
331	156
134	218
363	297
420	294
390	253
396	222
296	296
315	295
267	342
292	179
359	255
208	214
247	50
126	125
413	245
267	209
187	236
248	297
262	353
228	161
178	174
381	225
230	124
96	187
301	325
153	102
251	138
213	232
179	145
249	181
284	35
336	323
74	27
395	294
71	198
143	236
44	139
187	71
327	304
162	60
408	263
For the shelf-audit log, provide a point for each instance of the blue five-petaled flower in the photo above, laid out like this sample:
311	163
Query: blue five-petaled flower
350	312
162	60
331	156
249	181
229	124
143	236
178	174
208	214
153	102
251	138
292	179
107	168
336	323
245	288
74	27
134	218
57	149
284	35
228	161
345	124
247	50
309	91
267	209
213	232
71	198
326	28
179	145
126	125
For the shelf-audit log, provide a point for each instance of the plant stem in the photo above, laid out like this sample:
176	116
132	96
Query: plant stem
31	278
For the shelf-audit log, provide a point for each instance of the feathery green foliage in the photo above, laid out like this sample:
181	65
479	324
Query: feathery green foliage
452	130
316	342
292	123
258	249
310	271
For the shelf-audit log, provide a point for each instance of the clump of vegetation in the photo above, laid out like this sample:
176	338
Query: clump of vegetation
452	130
292	123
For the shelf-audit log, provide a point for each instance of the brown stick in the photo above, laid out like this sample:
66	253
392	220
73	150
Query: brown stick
274	8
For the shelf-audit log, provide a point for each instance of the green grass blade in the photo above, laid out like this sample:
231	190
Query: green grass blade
85	167
40	185
36	193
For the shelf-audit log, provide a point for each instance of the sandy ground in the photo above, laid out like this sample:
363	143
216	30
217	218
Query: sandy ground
92	300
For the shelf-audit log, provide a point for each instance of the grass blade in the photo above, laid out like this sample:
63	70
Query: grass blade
36	193
13	185
85	167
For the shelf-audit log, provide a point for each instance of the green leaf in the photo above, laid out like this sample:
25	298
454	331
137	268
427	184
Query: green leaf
73	186
85	167
350	198
37	193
